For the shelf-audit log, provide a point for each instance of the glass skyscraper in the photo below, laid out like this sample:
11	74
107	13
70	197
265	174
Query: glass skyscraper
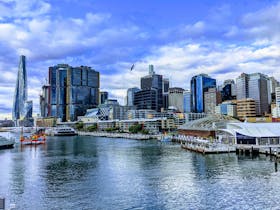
199	85
20	96
72	90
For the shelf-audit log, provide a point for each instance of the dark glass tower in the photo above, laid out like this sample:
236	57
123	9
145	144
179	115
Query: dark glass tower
152	82
200	84
72	91
20	96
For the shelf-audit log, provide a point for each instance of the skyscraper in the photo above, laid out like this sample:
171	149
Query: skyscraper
72	90
199	85
151	87
187	101
20	96
165	83
257	87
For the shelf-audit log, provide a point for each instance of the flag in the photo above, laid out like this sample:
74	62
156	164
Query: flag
132	67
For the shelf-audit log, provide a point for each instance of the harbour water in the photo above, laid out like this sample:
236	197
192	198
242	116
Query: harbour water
85	172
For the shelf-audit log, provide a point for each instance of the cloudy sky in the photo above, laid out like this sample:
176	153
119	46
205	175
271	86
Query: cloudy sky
180	38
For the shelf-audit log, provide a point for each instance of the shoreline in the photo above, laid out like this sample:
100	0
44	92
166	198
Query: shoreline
120	135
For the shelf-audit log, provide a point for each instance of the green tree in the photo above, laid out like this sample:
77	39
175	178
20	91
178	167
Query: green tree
79	126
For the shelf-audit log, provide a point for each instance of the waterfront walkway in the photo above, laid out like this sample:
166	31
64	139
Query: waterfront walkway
119	135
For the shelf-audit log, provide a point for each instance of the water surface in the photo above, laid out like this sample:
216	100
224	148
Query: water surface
103	173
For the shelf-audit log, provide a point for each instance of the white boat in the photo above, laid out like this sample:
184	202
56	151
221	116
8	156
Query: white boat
61	131
6	143
165	138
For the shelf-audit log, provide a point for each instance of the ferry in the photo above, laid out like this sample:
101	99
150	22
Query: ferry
61	131
37	137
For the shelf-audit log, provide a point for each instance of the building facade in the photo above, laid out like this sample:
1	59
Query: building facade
199	85
246	108
151	94
72	90
176	98
130	95
257	87
20	95
103	96
187	101
211	99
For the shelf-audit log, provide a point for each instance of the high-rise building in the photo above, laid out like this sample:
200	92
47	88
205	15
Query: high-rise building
176	98
200	84
187	101
151	87
228	90
212	98
273	84
20	95
28	109
103	96
165	88
130	95
72	90
257	87
242	86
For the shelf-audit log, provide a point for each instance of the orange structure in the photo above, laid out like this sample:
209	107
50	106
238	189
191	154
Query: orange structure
38	137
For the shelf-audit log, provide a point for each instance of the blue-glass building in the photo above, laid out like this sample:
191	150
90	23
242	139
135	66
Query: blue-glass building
187	101
200	84
20	95
72	90
130	95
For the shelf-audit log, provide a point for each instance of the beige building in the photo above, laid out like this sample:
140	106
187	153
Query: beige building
246	108
176	98
211	99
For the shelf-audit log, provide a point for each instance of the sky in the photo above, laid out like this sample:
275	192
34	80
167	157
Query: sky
221	38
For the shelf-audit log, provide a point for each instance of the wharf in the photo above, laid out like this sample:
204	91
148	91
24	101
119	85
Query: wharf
118	135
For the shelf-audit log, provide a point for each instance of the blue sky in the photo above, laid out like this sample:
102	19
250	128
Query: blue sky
181	38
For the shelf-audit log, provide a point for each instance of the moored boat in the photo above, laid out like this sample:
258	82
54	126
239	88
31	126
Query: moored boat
6	143
61	131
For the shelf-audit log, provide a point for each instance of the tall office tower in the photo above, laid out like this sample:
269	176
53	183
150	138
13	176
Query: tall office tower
130	95
72	91
212	98
103	96
165	83
260	92
242	86
200	84
257	87
273	84
187	101
228	90
44	101
151	87
20	95
176	98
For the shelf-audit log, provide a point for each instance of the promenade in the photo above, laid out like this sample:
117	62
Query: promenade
119	135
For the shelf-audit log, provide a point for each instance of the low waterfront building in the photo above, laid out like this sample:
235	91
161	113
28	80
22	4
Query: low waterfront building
45	121
205	127
251	133
227	108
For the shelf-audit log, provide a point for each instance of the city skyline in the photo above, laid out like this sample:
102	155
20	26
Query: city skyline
181	39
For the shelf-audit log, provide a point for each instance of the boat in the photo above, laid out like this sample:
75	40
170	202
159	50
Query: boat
6	143
38	137
61	131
